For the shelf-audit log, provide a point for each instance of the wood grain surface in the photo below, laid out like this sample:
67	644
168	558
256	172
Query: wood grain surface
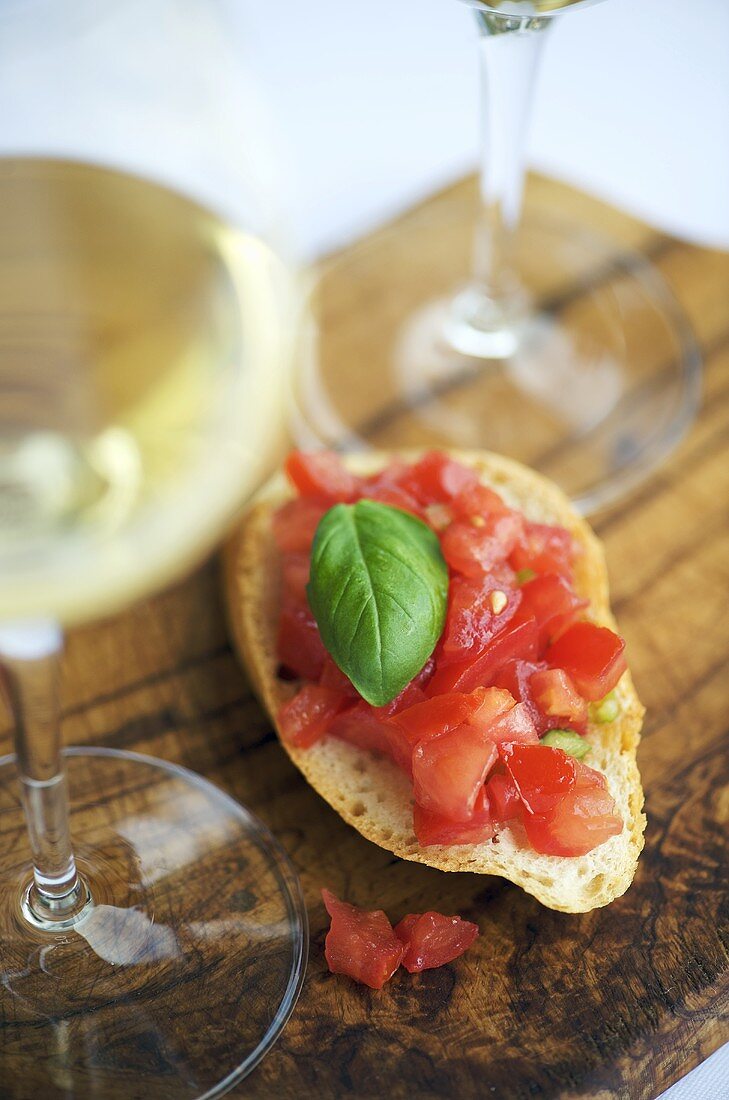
618	1002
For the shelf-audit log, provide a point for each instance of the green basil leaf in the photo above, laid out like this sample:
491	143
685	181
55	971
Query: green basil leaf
378	589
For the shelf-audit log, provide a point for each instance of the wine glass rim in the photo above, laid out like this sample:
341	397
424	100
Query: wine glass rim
525	9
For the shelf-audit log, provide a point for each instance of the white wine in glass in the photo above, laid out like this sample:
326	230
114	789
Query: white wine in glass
152	932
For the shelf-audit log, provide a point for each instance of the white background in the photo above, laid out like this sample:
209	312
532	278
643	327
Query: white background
376	104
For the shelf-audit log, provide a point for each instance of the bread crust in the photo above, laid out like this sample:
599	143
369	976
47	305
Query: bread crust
371	793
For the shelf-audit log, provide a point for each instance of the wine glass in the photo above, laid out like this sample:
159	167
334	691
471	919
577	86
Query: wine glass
152	932
466	325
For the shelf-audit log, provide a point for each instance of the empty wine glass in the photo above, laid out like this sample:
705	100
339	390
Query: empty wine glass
466	325
152	932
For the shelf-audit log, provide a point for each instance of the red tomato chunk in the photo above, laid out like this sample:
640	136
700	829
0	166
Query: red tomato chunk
361	943
515	659
592	656
432	939
306	718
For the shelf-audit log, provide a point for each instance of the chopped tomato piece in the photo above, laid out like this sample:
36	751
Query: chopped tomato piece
515	676
439	714
410	696
475	549
503	797
515	727
545	549
477	610
556	696
322	474
542	775
333	677
592	656
552	602
307	717
432	828
294	524
294	578
509	643
358	725
583	819
432	939
478	500
361	943
449	771
436	478
299	646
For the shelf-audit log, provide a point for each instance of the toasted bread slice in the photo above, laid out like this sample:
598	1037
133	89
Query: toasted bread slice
374	795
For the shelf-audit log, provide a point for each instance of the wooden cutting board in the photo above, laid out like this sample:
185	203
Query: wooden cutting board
618	1002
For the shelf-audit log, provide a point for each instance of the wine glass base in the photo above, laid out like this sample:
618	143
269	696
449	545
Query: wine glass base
593	384
181	973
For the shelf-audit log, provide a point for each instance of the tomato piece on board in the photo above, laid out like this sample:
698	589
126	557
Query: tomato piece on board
545	549
513	641
475	549
299	646
322	474
585	818
542	775
477	610
436	478
432	939
503	797
432	828
592	656
449	771
294	524
306	718
557	697
361	943
552	602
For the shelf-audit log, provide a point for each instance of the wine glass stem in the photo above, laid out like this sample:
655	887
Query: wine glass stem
29	655
509	50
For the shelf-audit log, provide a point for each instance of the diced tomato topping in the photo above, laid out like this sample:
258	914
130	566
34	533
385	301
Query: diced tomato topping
294	524
592	656
583	819
511	642
477	610
436	478
515	676
552	602
299	645
361	943
333	677
322	474
556	696
515	727
358	725
306	718
542	775
544	549
474	550
478	500
439	714
432	939
448	771
294	578
512	661
432	828
503	797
